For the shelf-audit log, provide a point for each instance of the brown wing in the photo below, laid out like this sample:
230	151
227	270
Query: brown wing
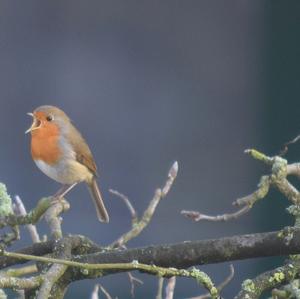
82	150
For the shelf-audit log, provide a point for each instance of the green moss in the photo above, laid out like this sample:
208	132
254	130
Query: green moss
204	279
286	234
84	271
279	169
277	277
5	202
249	286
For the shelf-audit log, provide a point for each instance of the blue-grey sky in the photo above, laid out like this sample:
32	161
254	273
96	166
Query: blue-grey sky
147	83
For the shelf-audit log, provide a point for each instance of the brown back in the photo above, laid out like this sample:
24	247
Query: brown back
82	150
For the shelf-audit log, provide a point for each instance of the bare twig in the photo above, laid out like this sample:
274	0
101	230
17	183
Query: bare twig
160	288
197	216
21	211
134	217
285	146
170	287
246	203
132	280
171	177
143	222
105	292
280	170
221	286
95	293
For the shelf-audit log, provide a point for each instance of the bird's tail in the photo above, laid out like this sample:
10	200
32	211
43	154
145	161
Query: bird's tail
97	199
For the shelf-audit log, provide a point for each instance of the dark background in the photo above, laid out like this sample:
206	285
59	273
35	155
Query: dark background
147	83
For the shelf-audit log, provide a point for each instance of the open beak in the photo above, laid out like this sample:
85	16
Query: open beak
36	124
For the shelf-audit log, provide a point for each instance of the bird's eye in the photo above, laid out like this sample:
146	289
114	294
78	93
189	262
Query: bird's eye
49	118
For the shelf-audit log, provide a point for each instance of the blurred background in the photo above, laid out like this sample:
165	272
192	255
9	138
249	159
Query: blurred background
147	83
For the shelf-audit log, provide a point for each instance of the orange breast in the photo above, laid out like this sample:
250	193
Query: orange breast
45	145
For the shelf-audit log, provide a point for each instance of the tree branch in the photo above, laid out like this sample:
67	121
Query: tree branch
31	218
52	217
187	254
139	225
56	271
221	286
253	288
20	210
181	255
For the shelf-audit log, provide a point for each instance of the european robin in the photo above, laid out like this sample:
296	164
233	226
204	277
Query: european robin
59	151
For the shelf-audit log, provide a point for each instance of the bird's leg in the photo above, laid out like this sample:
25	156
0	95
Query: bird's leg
63	191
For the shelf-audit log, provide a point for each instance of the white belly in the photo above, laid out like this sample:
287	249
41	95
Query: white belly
67	172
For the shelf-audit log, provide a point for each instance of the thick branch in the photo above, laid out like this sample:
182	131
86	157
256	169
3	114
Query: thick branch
193	253
80	245
181	255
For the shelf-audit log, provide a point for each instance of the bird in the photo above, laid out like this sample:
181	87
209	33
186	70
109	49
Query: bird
59	151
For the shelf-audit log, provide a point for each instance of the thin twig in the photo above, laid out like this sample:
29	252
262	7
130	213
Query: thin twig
160	288
134	217
143	222
95	293
260	193
285	146
246	203
21	211
132	280
171	177
280	170
170	287
197	216
105	292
